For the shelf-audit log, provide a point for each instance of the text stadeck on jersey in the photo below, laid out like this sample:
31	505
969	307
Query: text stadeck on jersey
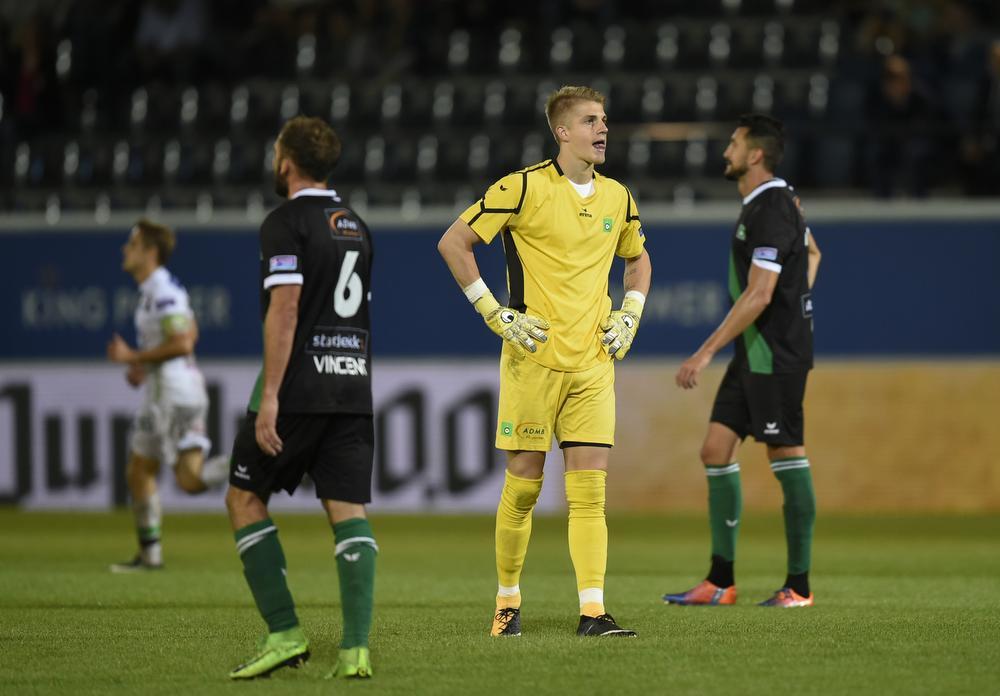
315	241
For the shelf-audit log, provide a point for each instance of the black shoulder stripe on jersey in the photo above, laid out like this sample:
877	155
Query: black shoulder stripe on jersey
515	272
515	210
483	210
543	165
524	191
629	217
556	165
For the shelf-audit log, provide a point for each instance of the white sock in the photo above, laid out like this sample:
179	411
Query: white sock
591	595
509	591
148	518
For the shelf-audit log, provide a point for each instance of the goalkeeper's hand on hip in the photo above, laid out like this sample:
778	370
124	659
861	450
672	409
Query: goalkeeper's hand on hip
522	332
621	325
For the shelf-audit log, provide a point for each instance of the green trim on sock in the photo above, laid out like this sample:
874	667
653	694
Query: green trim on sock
800	516
356	570
725	505
149	533
264	568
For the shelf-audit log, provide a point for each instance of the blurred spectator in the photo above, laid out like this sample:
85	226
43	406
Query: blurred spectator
169	38
981	147
32	85
902	118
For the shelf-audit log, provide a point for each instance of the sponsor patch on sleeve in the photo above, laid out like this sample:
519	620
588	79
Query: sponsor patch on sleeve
765	253
165	302
287	262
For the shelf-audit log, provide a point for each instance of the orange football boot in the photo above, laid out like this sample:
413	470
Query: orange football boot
787	597
704	593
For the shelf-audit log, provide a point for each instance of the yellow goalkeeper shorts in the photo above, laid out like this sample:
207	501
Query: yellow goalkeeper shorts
537	402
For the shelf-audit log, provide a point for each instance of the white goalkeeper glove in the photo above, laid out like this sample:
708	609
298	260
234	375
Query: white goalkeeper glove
620	326
519	330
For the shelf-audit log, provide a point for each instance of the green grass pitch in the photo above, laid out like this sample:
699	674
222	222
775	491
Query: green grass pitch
905	605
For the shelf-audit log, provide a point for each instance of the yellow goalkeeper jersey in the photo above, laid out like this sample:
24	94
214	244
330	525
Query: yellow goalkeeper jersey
559	248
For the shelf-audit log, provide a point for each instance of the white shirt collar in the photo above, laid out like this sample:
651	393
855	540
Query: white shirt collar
773	183
155	277
313	192
585	190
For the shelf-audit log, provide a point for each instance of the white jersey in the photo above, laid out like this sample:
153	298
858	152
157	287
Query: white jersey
163	301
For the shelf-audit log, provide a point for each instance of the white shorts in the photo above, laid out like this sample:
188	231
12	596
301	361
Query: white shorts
161	430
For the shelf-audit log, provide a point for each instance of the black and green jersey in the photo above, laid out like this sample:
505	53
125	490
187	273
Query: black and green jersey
772	234
315	241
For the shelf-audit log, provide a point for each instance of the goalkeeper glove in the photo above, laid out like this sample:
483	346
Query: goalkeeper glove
519	330
620	326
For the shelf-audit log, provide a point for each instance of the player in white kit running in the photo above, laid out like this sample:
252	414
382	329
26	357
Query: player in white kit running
170	425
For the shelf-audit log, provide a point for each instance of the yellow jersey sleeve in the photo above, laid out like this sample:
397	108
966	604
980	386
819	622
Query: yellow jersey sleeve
631	240
501	202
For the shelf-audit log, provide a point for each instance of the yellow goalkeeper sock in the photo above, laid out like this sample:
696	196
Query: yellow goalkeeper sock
588	536
513	531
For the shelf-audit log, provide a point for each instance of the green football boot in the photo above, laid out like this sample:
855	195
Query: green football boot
283	649
353	663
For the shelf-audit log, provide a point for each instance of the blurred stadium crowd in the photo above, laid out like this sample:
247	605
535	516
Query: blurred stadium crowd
120	103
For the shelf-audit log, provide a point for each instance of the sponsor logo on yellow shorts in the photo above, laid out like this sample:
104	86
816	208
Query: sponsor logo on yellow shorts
532	431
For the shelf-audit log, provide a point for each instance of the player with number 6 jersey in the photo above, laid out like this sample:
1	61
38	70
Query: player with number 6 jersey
311	409
316	241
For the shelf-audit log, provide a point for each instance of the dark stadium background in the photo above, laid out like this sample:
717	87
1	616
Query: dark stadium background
110	110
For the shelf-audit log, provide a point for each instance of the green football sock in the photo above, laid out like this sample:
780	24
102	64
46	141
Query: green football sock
725	503
264	569
355	553
799	509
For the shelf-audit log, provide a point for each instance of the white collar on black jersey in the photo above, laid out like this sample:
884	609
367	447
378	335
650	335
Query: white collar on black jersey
156	276
314	192
773	183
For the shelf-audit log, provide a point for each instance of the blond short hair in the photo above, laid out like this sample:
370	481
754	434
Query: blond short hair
160	237
563	99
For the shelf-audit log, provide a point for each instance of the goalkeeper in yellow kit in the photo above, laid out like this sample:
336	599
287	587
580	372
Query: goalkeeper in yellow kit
562	224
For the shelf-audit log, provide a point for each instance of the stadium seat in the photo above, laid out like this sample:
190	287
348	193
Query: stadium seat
534	148
642	47
720	45
680	103
832	161
668	46
706	98
442	106
614	47
453	157
588	47
428	157
94	158
522	104
213	109
624	103
639	153
846	99
494	102
478	162
801	43
245	161
469	104
654	100
505	157
666	158
561	48
314	99
352	161
418	103
512	56
374	158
